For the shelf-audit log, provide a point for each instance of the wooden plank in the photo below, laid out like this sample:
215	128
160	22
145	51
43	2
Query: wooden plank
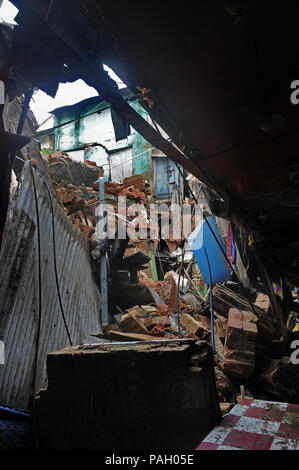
119	335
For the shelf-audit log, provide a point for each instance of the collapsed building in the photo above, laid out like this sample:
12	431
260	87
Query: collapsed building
185	319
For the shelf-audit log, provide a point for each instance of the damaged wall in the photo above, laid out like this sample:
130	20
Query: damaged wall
90	121
89	130
19	291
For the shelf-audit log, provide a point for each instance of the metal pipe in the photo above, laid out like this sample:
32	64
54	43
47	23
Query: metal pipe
103	264
211	301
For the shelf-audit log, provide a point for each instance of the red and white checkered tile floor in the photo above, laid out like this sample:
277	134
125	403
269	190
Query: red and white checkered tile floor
256	425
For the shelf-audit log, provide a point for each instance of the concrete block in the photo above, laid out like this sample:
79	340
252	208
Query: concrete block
156	395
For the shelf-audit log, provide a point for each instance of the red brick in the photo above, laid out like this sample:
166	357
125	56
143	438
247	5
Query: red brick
234	314
152	321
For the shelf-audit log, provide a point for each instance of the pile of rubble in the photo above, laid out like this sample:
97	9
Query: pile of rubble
253	355
75	186
244	338
144	308
159	319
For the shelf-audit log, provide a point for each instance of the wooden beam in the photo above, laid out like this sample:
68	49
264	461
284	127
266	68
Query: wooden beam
94	76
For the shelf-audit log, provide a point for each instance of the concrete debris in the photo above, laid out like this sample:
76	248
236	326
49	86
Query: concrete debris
225	298
252	355
262	301
143	286
133	187
157	321
223	385
158	386
163	310
194	327
133	322
169	291
75	187
279	378
62	169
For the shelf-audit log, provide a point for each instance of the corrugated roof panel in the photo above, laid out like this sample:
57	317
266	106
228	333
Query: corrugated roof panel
19	291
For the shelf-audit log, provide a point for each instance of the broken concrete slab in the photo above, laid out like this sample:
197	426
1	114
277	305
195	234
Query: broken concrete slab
116	396
63	170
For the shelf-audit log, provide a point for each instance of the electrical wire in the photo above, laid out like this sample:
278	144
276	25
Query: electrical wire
129	159
40	288
54	251
181	267
177	294
210	228
160	262
39	280
211	301
219	245
55	257
94	110
39	308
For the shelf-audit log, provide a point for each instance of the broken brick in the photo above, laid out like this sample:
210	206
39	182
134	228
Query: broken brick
130	323
153	321
193	326
158	330
169	291
163	310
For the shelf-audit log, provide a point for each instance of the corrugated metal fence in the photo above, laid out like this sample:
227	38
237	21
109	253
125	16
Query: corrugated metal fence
19	291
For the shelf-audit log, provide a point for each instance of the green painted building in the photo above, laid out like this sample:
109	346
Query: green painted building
91	130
